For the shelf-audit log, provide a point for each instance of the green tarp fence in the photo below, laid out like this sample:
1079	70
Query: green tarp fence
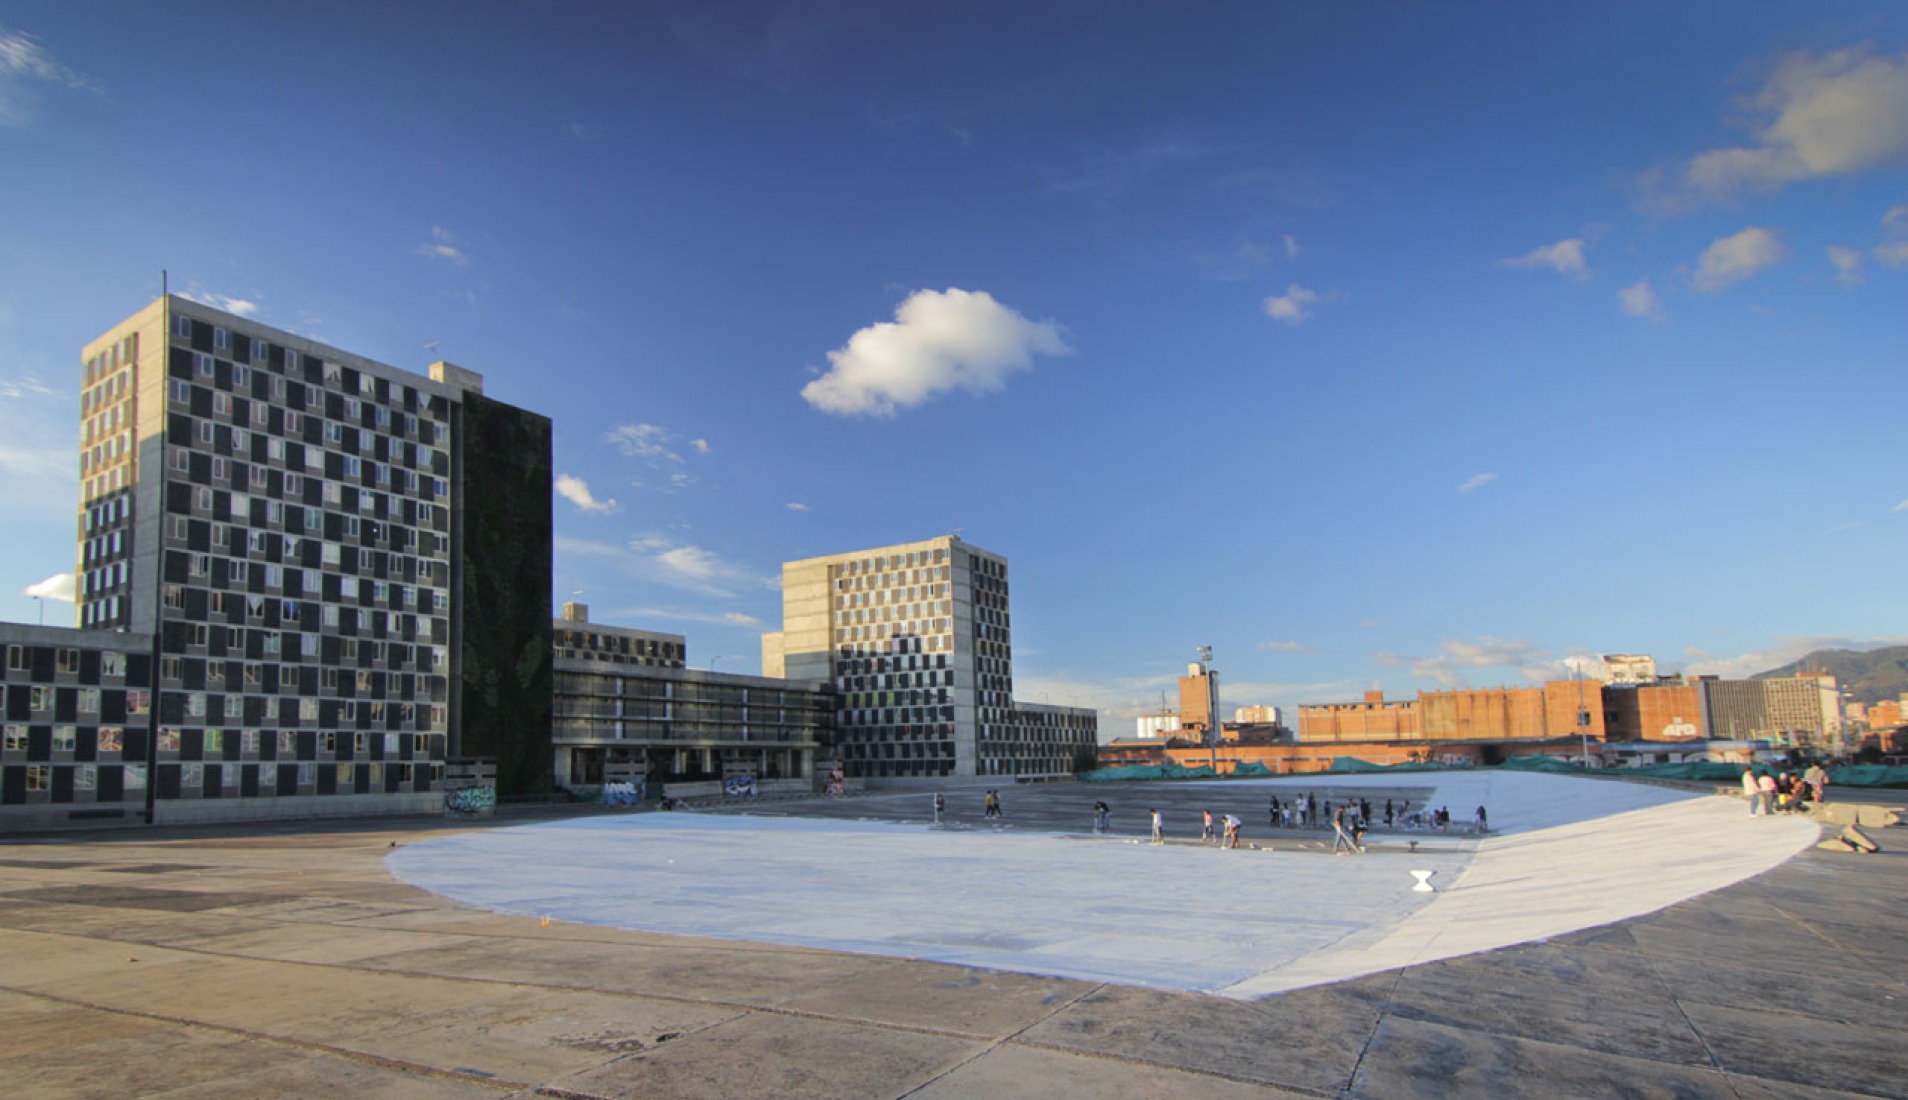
1867	775
1351	764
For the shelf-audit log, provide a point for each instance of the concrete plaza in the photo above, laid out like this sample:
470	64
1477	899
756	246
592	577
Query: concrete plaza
288	961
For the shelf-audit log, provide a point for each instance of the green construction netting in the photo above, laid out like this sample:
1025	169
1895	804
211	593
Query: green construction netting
1868	775
1352	764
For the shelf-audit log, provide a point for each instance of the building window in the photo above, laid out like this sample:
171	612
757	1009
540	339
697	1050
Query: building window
181	325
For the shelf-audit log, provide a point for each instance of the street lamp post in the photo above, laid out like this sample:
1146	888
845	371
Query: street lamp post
1583	717
1212	707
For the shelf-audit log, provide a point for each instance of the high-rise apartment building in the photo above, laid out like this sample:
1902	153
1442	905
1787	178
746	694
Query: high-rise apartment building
339	568
918	639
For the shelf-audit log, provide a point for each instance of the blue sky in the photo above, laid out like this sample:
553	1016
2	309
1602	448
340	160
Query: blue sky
1389	345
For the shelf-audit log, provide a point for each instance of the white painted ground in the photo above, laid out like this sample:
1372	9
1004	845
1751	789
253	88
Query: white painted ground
1565	854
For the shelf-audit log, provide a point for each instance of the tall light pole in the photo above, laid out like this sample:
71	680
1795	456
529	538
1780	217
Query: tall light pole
1583	716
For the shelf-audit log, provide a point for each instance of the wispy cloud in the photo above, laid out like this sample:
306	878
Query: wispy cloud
1818	115
1292	307
59	586
660	559
1902	507
798	506
1639	300
656	447
25	68
38	448
1565	258
1475	482
240	307
1457	656
1284	647
1848	265
577	492
1729	260
582	132
1893	251
443	245
938	342
1108	174
1291	247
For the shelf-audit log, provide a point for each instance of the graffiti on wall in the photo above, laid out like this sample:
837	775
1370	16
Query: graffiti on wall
475	801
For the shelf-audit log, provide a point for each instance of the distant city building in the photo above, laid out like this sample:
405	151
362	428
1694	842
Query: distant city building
1197	690
1258	715
1374	719
339	567
1629	668
1669	710
1157	725
629	710
917	638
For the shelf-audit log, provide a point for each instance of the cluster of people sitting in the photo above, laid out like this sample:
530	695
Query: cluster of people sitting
1780	792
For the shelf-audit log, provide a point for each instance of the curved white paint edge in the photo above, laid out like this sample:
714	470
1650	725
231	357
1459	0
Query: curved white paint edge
1533	886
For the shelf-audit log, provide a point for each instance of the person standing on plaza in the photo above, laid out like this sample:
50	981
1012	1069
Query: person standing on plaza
1205	830
940	807
1233	828
1483	821
1766	793
1102	816
1159	833
1751	791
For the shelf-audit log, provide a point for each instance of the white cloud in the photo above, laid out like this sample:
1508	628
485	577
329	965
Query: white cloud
1291	247
1293	306
938	341
39	448
1848	265
1565	258
577	492
701	446
797	506
1455	656
645	441
443	246
1284	647
1902	507
239	307
59	586
25	65
1476	482
1639	300
1822	115
1893	254
583	132
1730	260
662	560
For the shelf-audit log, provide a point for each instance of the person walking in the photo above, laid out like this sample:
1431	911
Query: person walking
1483	821
940	806
1205	830
1102	815
990	806
1159	833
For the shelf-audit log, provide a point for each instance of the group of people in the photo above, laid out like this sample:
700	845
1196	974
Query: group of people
1779	792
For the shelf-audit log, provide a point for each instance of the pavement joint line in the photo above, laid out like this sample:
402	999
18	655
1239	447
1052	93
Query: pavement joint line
671	998
414	1068
1005	1039
1384	1013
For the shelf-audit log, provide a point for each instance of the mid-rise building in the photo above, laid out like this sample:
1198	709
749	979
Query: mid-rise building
77	707
339	568
918	640
629	710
